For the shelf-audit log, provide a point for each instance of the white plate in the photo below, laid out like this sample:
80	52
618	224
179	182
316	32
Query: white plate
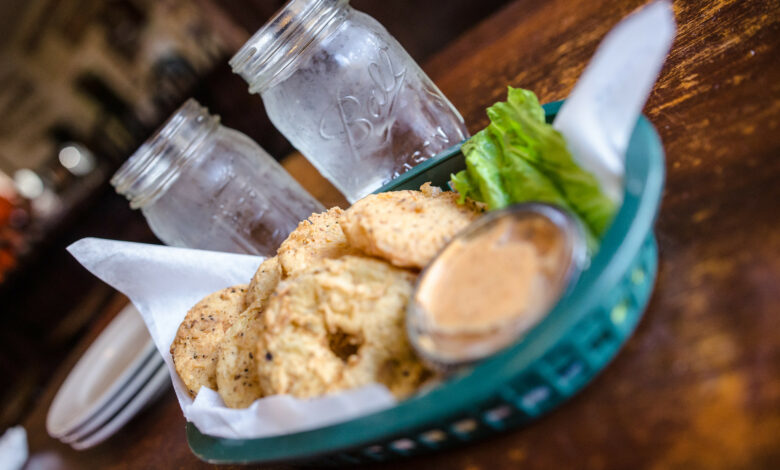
158	384
133	387
104	369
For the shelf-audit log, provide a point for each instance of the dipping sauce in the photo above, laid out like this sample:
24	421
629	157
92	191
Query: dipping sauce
493	282
494	265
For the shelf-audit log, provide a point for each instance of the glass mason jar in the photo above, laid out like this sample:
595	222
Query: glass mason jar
202	185
346	94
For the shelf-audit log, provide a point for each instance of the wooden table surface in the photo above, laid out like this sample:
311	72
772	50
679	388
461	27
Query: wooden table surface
698	385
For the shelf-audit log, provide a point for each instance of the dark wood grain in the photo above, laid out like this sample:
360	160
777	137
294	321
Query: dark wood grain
698	386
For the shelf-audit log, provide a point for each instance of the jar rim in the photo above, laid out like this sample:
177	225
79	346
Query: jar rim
281	41
156	164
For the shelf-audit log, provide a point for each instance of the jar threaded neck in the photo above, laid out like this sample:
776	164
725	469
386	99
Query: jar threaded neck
156	164
278	44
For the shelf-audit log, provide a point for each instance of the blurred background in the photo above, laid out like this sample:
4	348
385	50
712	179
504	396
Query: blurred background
82	84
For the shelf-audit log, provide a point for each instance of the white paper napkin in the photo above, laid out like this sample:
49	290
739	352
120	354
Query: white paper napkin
164	283
599	116
13	448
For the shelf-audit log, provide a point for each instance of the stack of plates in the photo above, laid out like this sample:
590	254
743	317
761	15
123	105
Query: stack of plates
119	374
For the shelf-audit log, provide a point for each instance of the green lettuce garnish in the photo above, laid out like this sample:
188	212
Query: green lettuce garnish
521	158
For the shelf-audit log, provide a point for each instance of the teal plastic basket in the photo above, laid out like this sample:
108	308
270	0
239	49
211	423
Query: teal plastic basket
553	362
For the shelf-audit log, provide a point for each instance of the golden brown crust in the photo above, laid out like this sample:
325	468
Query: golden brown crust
236	374
194	350
339	325
319	237
406	228
264	281
317	318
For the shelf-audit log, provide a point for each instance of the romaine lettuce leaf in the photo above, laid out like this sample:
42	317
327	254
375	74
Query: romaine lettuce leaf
521	158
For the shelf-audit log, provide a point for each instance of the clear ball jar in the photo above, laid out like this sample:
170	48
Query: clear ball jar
345	93
202	185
